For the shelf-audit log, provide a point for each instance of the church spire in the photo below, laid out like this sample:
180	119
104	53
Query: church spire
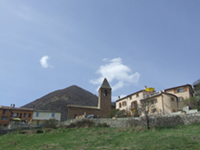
105	84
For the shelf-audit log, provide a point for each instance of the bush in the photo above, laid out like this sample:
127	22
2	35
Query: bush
102	125
140	129
51	123
39	131
113	113
82	124
86	123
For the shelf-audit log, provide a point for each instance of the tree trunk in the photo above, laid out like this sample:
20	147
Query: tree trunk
147	117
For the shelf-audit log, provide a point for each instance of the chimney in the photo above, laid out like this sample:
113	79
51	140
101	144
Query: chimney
13	106
118	97
145	87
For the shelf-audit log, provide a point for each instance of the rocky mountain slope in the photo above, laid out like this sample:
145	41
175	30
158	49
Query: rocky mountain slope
58	100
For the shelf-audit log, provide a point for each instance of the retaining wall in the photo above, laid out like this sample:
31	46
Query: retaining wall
166	120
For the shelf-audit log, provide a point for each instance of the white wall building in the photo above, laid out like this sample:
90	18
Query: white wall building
39	116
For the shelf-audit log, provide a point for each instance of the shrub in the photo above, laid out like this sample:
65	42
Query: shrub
51	123
102	125
140	129
39	131
113	113
81	124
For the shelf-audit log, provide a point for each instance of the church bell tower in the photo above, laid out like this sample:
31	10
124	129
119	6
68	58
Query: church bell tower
104	101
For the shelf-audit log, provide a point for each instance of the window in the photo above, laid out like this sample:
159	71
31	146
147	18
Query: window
4	112
4	118
137	95
20	115
37	114
27	115
172	99
154	110
120	105
5	125
146	103
14	114
180	90
124	103
180	99
153	101
130	97
53	115
134	105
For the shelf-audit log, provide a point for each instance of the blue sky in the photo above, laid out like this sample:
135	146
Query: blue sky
49	45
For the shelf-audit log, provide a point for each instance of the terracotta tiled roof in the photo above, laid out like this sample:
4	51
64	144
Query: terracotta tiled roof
159	94
87	107
179	87
129	95
15	108
53	111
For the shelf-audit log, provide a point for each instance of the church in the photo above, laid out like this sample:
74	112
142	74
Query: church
103	108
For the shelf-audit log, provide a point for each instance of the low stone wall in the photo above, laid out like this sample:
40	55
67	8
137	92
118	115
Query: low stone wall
168	120
5	131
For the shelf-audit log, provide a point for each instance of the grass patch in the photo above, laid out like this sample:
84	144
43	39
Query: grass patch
160	138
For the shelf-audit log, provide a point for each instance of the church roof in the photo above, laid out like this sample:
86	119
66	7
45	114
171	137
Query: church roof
105	84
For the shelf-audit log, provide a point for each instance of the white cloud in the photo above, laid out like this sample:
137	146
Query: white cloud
116	72
44	62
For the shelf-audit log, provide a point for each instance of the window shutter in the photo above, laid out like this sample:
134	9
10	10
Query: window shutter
182	98
17	114
156	100
175	91
185	89
24	114
151	110
30	115
156	109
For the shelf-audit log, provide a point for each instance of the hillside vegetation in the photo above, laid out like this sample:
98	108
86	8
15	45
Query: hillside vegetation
137	138
58	100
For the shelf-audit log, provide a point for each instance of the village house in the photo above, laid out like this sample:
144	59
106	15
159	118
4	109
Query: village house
103	108
163	102
13	114
40	116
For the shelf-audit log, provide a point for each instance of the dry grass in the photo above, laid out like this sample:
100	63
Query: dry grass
140	129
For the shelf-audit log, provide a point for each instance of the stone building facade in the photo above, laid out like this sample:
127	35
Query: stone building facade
163	102
103	108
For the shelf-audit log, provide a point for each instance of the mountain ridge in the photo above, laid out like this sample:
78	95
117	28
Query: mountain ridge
59	99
